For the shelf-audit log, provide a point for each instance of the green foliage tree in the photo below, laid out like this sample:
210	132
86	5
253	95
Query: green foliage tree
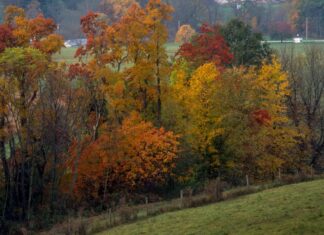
247	46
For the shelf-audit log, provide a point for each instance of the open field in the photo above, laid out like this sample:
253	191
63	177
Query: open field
292	209
297	47
67	54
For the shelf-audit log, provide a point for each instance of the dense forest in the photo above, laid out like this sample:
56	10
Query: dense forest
275	19
128	123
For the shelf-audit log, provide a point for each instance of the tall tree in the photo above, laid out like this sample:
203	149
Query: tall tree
306	99
28	45
157	14
21	68
247	47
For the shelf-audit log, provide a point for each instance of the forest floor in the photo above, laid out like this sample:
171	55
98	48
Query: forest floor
291	209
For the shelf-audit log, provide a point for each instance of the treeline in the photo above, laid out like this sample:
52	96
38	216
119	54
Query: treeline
128	121
276	19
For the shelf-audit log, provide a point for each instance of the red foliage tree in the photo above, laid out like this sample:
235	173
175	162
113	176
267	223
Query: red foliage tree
262	117
208	46
6	37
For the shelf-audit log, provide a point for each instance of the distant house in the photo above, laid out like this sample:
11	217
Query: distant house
75	42
297	39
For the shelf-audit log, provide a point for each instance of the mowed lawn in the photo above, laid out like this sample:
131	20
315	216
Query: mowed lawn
292	209
296	47
67	54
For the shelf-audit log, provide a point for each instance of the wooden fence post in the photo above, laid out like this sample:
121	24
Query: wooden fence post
146	205
110	217
218	189
247	180
181	198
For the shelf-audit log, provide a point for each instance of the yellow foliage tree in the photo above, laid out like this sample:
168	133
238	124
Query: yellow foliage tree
194	110
237	119
184	34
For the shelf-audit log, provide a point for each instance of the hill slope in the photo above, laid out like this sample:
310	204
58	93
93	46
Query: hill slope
293	209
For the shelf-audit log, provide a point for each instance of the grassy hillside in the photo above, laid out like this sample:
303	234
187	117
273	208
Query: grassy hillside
293	209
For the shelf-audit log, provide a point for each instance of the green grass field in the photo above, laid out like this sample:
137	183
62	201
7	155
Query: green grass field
67	54
292	209
298	48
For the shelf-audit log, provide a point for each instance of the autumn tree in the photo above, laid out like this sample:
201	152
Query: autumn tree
38	32
27	46
6	37
274	142
138	38
20	69
115	9
237	121
125	159
198	118
207	46
184	34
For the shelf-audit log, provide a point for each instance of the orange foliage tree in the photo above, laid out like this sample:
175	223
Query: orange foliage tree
20	31
124	159
129	62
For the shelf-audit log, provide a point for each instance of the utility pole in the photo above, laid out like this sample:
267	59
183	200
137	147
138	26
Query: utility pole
306	28
87	5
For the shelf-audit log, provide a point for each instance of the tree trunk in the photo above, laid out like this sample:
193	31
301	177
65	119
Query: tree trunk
5	166
158	80
30	191
76	163
24	151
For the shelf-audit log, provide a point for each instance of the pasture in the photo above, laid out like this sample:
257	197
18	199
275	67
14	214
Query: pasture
292	209
67	54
